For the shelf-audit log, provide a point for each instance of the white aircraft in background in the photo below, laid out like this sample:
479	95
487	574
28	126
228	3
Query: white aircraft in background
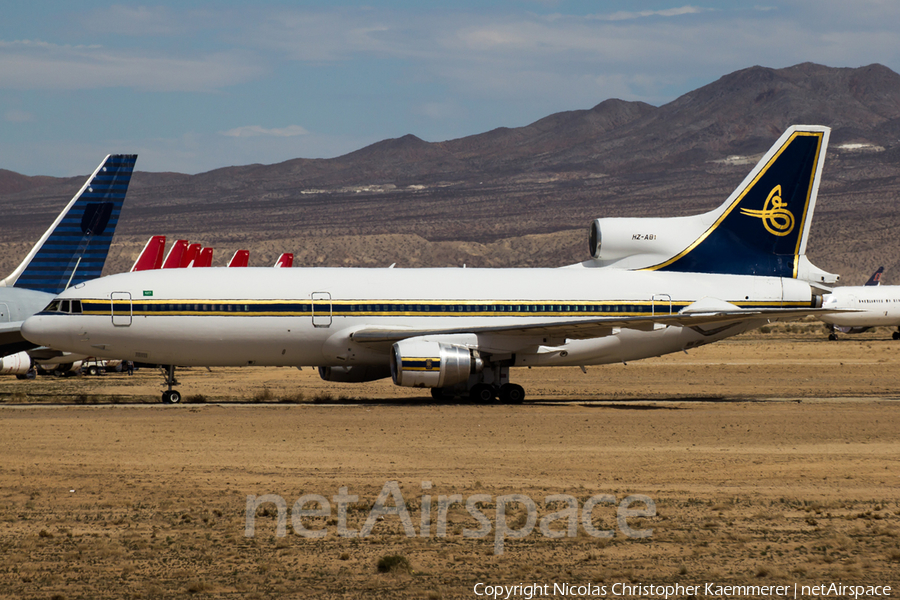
863	307
653	286
71	251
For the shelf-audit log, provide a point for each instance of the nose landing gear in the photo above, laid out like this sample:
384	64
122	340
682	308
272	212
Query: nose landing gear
171	396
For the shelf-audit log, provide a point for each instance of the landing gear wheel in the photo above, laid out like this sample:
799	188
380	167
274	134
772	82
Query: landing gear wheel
439	394
171	396
510	393
481	393
832	337
896	335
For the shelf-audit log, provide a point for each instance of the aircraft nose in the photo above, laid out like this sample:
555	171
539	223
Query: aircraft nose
46	331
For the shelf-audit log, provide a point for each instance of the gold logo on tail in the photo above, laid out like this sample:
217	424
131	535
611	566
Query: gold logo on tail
776	218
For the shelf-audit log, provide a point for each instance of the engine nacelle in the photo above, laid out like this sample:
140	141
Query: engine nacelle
15	364
421	363
635	243
59	369
354	374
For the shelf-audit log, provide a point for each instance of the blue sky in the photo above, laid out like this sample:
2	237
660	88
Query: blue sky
193	86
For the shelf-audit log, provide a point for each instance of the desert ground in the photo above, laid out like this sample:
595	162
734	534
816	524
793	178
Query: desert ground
771	459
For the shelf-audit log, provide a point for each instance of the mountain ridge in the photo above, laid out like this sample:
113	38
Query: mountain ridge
618	158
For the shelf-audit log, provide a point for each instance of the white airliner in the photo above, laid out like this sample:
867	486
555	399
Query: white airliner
653	286
864	306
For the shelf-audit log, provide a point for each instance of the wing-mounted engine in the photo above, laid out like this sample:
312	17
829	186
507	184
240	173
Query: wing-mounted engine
637	243
416	362
15	364
354	374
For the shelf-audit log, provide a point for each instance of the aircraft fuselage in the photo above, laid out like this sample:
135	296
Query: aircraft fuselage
307	317
867	306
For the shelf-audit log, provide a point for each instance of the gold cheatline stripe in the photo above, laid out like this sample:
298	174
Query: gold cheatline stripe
342	311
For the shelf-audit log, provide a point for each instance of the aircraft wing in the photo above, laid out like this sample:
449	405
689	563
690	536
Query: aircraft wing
11	340
599	327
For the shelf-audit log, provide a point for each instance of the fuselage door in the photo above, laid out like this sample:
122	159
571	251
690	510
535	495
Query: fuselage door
121	308
662	304
321	309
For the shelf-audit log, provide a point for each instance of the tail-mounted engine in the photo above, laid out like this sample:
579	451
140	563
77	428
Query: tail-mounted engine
635	243
421	363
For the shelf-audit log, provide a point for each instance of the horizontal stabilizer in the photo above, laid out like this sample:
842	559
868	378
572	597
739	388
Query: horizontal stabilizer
709	306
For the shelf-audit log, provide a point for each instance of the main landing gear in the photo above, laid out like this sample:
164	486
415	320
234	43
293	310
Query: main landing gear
171	396
832	335
492	384
508	393
483	393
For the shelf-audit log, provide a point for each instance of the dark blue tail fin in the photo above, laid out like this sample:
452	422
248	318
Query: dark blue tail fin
74	249
875	279
762	228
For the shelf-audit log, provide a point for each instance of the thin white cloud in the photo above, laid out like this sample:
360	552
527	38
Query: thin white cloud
439	110
672	12
256	131
636	55
39	65
136	21
669	12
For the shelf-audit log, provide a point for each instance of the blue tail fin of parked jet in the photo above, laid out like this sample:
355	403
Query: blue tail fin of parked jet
74	249
762	228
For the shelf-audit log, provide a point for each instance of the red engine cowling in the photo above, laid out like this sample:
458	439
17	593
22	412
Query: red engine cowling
421	363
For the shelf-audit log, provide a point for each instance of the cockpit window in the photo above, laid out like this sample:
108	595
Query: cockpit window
64	306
